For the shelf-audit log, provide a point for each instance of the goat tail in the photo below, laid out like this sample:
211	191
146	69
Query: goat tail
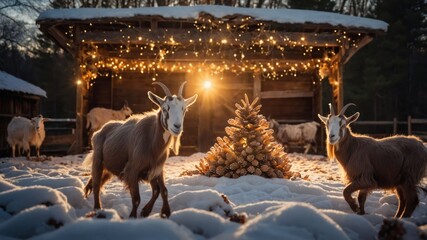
87	162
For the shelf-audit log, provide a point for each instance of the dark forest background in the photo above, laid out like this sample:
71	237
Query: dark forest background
386	79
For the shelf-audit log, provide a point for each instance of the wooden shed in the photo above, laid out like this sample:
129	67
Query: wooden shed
279	55
17	98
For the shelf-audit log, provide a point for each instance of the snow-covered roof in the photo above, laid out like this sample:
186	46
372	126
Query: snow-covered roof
14	84
290	16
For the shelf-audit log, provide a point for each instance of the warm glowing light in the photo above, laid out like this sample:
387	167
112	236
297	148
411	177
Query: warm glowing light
207	84
79	82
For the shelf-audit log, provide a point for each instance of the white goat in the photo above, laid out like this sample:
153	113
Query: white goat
299	134
97	117
23	132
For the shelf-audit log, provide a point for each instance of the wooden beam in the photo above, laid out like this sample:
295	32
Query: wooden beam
206	53
286	94
353	49
62	40
192	36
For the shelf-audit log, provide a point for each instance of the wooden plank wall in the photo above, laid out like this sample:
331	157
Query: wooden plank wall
295	99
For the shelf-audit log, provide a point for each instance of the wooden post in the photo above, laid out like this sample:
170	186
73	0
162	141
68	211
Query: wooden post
80	91
340	96
81	107
333	81
205	123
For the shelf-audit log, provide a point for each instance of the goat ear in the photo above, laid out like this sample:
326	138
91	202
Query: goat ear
190	101
155	99
352	118
322	118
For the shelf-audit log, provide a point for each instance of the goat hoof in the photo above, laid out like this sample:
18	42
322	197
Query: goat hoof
361	212
355	208
144	213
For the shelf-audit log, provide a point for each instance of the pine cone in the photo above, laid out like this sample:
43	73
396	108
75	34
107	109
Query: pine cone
255	163
220	170
265	168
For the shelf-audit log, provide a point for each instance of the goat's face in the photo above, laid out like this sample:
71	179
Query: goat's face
336	125
37	122
126	111
173	109
273	124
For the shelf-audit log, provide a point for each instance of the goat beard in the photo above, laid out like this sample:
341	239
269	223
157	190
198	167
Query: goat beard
175	143
331	150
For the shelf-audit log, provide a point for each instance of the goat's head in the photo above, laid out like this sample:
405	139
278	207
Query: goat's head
126	110
172	107
336	125
37	122
273	124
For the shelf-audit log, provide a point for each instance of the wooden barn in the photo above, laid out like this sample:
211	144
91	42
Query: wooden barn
279	55
17	98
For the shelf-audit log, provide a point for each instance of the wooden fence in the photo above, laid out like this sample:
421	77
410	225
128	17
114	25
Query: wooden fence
60	132
60	136
413	126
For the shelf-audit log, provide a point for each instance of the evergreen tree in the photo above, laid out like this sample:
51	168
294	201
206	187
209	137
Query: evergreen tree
249	148
380	78
54	70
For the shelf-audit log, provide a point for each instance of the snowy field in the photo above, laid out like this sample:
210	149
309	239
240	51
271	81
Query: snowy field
44	200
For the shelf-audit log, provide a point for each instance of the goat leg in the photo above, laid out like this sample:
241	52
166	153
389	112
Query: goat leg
361	198
401	201
155	194
13	151
350	189
411	200
136	198
166	212
307	148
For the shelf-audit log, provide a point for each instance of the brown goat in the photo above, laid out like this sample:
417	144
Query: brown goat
136	149
397	162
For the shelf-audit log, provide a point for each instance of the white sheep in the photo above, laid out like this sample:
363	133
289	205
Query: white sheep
300	134
97	117
23	132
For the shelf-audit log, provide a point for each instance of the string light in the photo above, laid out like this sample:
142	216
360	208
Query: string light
232	46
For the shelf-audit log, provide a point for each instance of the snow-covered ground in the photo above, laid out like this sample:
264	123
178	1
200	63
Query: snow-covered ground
44	200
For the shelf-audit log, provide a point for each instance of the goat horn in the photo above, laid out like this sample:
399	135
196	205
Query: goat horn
331	109
181	88
345	108
165	89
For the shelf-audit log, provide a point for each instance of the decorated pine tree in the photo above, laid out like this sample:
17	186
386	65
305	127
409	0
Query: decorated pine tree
248	149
